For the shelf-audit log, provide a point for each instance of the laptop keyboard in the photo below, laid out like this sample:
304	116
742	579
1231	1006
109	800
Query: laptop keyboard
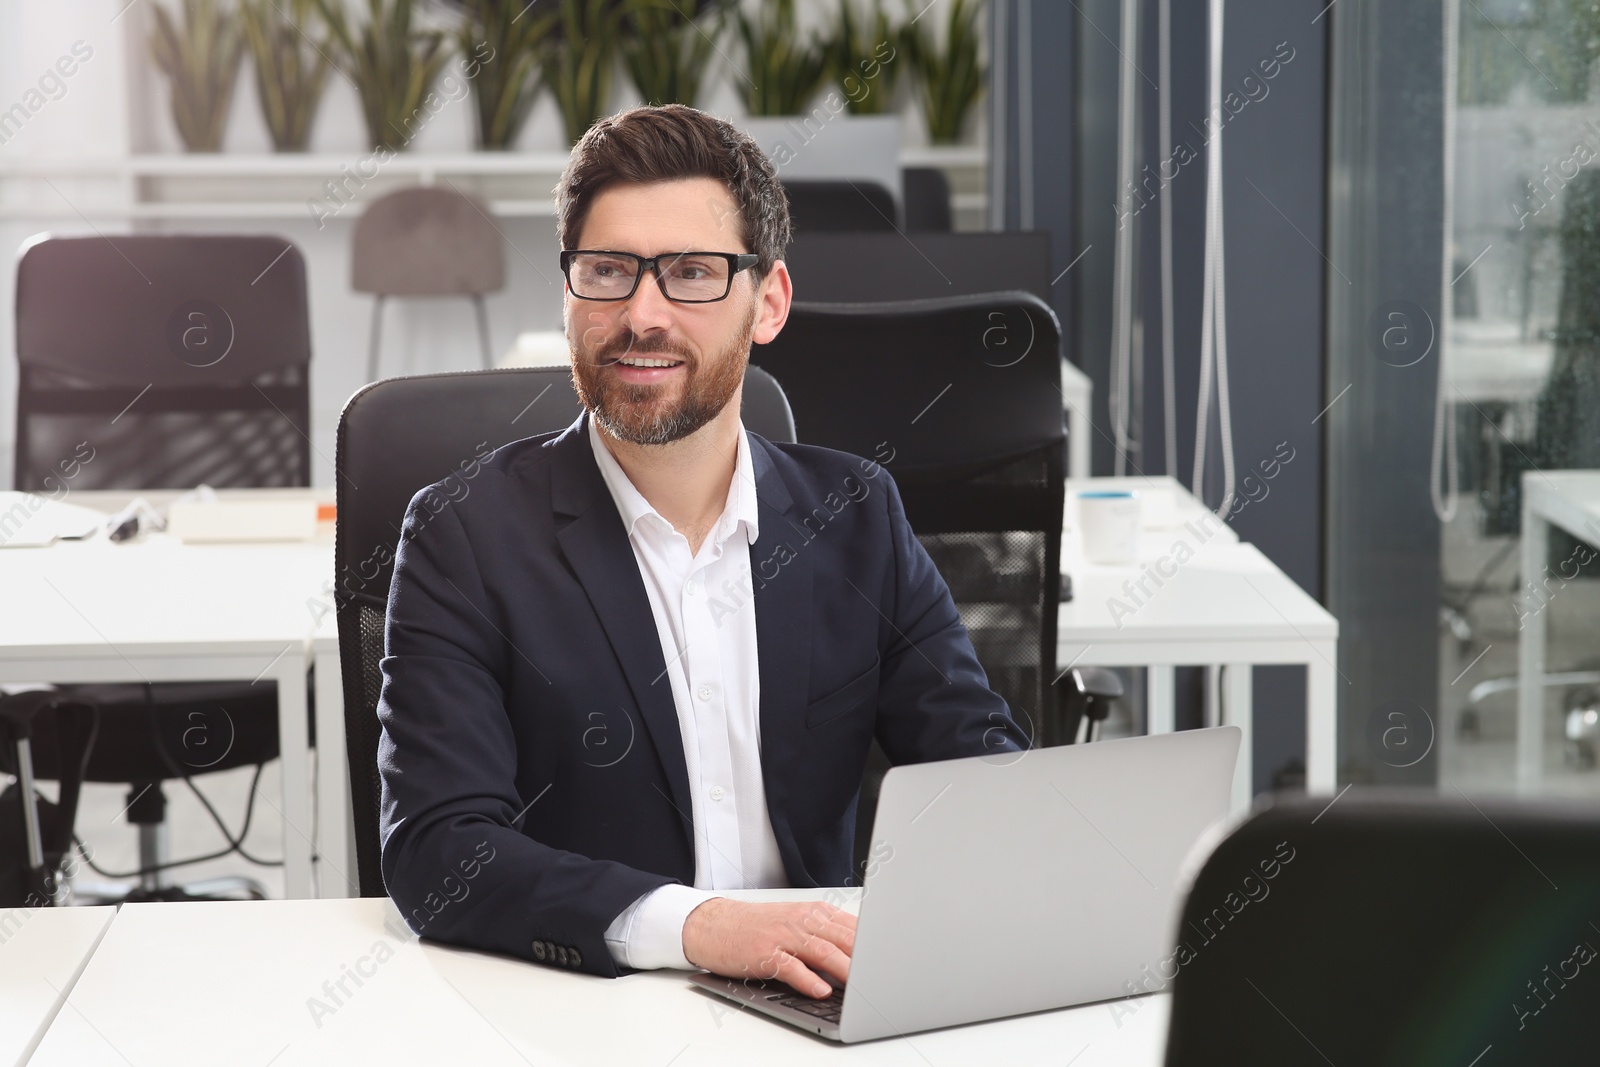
827	1009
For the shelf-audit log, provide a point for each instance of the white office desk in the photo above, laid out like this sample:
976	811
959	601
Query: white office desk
1228	605
42	952
1571	501
239	983
159	610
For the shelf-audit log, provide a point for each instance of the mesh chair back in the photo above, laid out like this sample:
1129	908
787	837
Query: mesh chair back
816	206
162	362
427	241
959	399
396	437
1389	929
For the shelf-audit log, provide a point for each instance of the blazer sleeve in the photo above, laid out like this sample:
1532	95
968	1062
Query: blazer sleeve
454	860
934	700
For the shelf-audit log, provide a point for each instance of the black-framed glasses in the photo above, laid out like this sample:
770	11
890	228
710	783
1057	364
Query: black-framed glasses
684	277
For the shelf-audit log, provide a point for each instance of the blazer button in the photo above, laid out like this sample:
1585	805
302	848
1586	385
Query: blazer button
561	955
538	950
574	957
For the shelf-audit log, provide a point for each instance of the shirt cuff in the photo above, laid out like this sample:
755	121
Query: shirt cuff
648	934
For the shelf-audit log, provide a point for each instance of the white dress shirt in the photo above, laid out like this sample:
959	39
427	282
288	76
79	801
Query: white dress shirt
704	611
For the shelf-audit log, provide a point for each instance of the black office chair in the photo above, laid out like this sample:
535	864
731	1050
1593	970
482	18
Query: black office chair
817	206
169	362
1389	929
395	438
958	399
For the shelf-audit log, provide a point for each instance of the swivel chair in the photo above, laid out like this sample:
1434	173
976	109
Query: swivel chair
397	437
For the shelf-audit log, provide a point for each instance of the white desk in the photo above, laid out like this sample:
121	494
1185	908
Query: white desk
176	984
1228	605
42	952
1570	500
159	610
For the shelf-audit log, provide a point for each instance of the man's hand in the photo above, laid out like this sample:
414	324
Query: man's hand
789	942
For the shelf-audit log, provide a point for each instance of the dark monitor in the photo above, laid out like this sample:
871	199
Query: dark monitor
837	268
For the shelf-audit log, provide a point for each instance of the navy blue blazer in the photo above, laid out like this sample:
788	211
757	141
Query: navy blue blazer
534	783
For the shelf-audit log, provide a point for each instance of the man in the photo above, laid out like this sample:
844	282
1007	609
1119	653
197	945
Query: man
632	668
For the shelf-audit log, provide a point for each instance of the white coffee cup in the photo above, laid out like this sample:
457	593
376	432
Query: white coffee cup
1109	519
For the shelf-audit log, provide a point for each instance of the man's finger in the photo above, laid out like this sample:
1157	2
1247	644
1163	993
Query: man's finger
795	974
822	954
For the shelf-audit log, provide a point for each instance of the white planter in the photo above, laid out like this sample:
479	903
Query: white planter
831	143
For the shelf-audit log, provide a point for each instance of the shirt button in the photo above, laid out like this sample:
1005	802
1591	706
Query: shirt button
705	692
717	792
691	587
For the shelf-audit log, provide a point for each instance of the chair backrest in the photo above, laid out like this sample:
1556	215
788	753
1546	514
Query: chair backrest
959	398
1389	929
162	362
837	268
427	241
817	205
396	437
927	193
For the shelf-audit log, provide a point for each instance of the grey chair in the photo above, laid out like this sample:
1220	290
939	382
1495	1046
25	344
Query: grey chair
427	241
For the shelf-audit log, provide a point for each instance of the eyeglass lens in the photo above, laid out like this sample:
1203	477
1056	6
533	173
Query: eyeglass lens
607	276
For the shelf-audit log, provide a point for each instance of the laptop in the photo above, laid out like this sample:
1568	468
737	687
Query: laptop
1015	883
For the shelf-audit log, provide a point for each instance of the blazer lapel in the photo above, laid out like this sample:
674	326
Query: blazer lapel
781	569
596	544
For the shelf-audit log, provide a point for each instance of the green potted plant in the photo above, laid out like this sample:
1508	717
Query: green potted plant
578	59
291	68
505	37
201	60
667	44
782	72
949	79
392	63
861	58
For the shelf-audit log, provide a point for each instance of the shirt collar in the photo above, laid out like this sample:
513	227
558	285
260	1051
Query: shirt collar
741	506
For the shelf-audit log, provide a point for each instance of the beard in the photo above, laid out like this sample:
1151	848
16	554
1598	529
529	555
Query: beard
647	414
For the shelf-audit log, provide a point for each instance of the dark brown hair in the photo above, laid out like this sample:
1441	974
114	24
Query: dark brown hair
669	143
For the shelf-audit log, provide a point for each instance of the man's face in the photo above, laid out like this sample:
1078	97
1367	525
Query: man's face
705	346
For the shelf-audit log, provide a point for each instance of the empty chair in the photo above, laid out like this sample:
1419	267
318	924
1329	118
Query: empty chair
1388	929
427	241
957	398
158	362
397	437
